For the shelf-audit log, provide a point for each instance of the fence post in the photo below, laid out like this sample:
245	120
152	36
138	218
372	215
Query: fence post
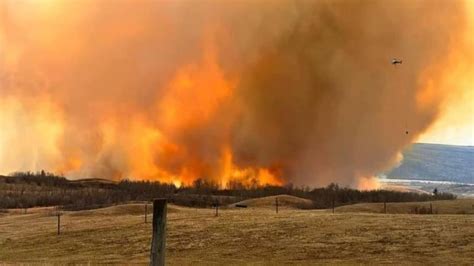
59	223
431	208
146	210
333	203
276	204
217	208
157	254
385	207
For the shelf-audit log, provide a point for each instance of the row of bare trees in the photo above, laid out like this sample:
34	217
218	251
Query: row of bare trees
26	190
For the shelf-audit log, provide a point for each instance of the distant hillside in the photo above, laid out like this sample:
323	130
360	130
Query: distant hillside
436	162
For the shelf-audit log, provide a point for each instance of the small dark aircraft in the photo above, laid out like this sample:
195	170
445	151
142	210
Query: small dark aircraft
396	61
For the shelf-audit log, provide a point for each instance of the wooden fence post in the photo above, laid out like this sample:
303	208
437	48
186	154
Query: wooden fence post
217	208
276	204
431	208
146	211
333	203
157	254
59	223
385	207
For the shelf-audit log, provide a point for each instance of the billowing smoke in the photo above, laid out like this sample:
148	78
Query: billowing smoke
273	91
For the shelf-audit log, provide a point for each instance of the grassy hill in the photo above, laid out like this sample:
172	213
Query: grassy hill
284	201
436	162
118	235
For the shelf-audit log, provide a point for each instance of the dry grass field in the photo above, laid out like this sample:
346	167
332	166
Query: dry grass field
238	236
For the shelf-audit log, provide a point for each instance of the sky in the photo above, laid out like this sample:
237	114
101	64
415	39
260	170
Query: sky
456	124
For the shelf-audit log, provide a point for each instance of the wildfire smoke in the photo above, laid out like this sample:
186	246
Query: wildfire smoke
256	91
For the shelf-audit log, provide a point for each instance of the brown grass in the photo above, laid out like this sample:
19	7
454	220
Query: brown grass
239	236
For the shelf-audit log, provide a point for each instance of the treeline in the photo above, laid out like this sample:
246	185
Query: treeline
324	197
27	189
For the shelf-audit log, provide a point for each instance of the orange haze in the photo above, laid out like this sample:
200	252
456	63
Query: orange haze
262	92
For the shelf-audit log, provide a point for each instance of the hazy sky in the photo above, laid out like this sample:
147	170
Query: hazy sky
456	124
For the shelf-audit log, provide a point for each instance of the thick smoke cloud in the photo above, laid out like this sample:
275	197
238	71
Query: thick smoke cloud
210	89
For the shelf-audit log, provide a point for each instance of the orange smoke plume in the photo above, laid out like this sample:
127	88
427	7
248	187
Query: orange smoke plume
259	93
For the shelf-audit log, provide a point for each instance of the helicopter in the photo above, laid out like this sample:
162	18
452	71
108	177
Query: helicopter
396	61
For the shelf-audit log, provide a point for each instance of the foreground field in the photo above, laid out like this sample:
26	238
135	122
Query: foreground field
253	235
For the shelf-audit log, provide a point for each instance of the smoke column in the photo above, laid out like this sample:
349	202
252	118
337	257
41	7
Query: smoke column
256	91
